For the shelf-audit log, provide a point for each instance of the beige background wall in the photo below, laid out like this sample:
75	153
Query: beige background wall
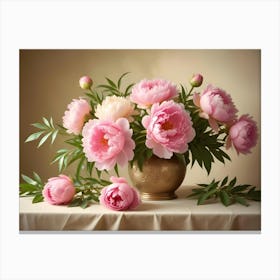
49	81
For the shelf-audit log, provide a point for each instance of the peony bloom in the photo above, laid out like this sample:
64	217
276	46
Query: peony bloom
119	195
113	108
107	143
59	190
85	82
216	106
169	129
243	135
196	80
149	92
76	115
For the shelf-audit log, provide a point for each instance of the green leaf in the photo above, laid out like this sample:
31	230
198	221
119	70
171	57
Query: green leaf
240	188
51	123
38	198
117	170
202	185
76	157
27	188
76	142
254	194
40	126
98	172
105	182
212	185
218	155
37	178
224	154
128	89
120	79
75	202
183	94
225	198
111	83
241	200
79	167
28	180
46	122
84	204
224	181
90	167
195	155
61	163
54	134
232	183
206	196
43	140
34	136
196	192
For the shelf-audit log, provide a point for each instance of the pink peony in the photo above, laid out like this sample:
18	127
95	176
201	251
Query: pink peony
113	108
148	92
107	143
59	190
85	82
216	106
196	80
77	113
169	129
243	135
119	195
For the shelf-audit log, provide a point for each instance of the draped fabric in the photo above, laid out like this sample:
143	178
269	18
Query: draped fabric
180	214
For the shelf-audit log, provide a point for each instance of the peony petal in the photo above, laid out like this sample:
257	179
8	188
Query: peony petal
196	99
214	125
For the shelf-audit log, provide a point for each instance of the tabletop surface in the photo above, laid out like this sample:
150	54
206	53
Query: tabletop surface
177	214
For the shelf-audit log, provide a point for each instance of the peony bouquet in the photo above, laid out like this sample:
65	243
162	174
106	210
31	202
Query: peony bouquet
113	126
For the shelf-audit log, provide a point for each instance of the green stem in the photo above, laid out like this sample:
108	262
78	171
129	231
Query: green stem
97	96
190	91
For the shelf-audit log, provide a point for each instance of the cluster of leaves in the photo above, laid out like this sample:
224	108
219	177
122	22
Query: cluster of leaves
227	192
87	191
113	88
32	187
141	151
207	145
47	128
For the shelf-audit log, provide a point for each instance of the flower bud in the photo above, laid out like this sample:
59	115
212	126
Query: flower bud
196	80
85	82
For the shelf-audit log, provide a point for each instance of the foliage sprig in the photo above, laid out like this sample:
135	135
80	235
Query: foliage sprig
227	192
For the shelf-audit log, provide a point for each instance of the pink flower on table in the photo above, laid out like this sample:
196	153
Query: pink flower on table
169	129
243	135
216	106
76	115
59	190
119	195
115	107
149	92
108	143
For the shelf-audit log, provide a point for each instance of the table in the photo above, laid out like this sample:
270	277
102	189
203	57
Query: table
180	214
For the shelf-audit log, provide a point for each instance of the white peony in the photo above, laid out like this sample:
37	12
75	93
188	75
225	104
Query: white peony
115	107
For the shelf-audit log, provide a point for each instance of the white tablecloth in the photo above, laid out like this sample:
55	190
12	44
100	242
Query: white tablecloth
179	214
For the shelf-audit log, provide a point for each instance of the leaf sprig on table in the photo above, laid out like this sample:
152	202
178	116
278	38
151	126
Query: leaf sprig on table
227	192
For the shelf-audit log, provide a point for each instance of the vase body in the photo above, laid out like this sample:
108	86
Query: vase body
159	178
